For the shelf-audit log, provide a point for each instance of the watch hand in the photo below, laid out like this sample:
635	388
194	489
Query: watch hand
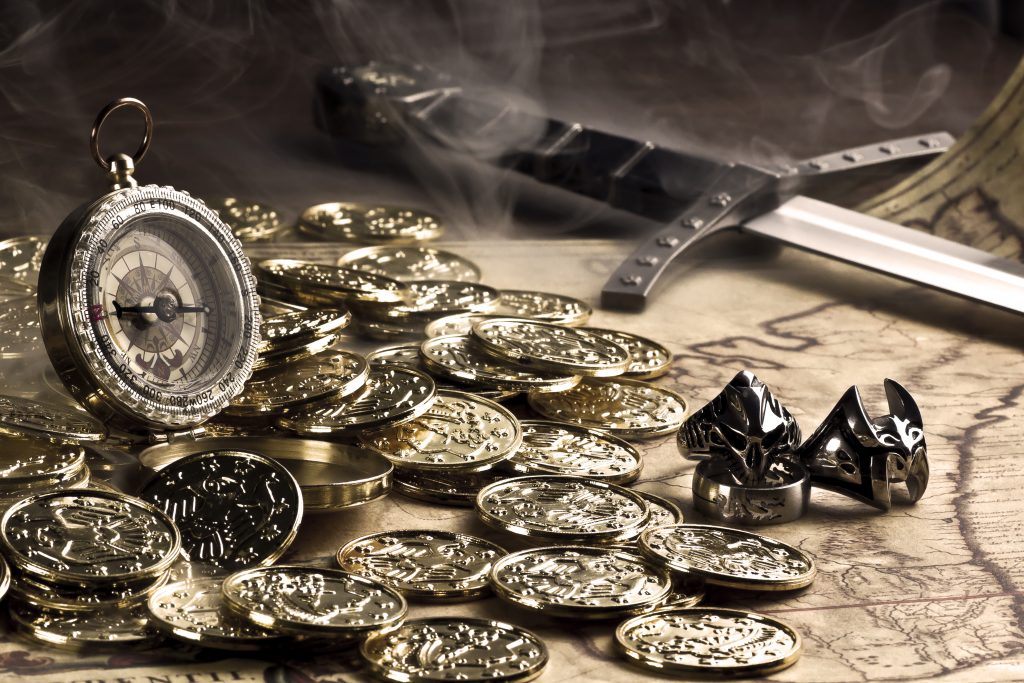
198	308
119	309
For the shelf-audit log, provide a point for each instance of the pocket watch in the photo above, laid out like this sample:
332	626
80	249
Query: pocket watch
147	305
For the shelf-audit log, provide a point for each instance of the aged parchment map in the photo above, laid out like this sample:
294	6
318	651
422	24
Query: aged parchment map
924	592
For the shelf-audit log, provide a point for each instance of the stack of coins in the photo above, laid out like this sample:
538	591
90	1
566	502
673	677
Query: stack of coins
30	466
83	566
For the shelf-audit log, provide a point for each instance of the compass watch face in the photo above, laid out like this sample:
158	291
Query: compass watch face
150	312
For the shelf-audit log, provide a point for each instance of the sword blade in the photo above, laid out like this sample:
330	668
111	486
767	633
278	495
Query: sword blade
895	250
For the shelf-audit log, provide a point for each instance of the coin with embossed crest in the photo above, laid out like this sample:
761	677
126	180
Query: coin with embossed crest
552	308
445	488
430	299
455	649
301	350
459	323
648	359
272	392
235	509
708	640
28	463
393	394
310	601
20	258
663	511
22	417
624	407
250	221
547	346
44	595
563	448
581	582
412	263
729	557
409	354
91	631
369	224
19	328
428	565
193	611
566	509
316	281
85	537
459	431
285	330
457	358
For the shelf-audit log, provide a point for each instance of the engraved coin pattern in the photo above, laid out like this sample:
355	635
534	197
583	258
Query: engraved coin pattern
663	511
459	323
551	346
19	328
318	278
729	557
284	329
20	258
370	224
22	417
250	221
84	630
564	508
424	564
68	536
194	611
624	407
458	431
308	601
648	359
562	448
445	488
446	649
457	358
338	374
234	509
411	263
708	640
583	581
432	298
78	599
401	354
553	308
24	461
392	394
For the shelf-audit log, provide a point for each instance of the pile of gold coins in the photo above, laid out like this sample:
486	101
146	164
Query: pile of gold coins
499	400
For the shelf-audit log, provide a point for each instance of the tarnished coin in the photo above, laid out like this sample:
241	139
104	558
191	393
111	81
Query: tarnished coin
250	221
708	640
310	601
88	537
22	417
369	224
663	511
553	308
26	463
44	595
272	392
284	330
20	258
566	509
193	611
459	431
431	299
319	281
455	357
235	509
624	407
445	488
551	347
19	328
729	557
648	359
581	582
562	448
412	263
393	394
428	565
92	631
456	649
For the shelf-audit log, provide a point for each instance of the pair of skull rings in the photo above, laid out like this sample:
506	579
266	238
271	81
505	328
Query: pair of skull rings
754	470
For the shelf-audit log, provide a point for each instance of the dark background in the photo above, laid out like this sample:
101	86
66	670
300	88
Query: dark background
230	86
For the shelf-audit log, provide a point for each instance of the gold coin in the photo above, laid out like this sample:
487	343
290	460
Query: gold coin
22	417
552	308
300	351
459	431
624	407
273	392
285	330
19	328
431	299
91	631
20	258
533	344
562	448
456	358
322	282
445	488
411	263
250	221
460	323
648	359
369	224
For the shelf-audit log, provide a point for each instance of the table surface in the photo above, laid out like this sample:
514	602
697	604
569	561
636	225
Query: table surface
930	591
